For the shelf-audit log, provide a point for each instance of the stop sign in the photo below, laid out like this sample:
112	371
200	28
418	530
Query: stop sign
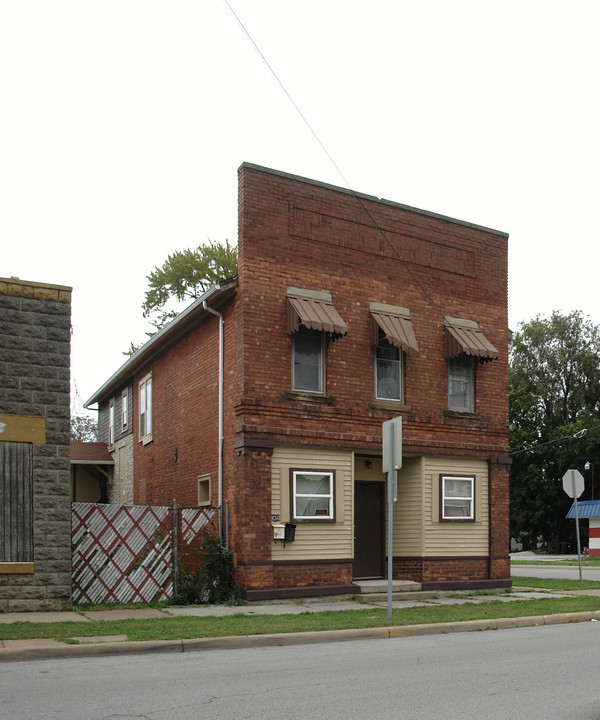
573	483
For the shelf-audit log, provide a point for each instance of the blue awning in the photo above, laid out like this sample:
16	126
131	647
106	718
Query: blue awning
585	509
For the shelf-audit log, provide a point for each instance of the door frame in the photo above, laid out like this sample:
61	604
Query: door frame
381	550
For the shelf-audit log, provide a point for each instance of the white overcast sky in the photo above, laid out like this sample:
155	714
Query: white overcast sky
123	123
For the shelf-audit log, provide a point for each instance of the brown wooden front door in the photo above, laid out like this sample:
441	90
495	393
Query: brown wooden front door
369	530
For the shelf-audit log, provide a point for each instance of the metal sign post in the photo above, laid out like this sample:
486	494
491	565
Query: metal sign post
391	433
573	485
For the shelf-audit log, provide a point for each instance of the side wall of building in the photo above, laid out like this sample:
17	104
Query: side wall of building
35	337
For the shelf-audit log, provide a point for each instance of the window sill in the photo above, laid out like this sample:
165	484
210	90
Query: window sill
308	397
390	405
313	520
146	439
457	520
461	414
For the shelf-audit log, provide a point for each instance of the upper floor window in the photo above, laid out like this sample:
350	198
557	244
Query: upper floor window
111	423
392	337
461	383
464	343
124	409
388	371
311	316
308	361
146	409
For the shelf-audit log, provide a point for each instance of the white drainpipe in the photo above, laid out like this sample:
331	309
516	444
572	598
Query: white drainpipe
220	471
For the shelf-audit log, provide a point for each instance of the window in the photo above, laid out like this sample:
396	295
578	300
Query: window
16	501
457	496
461	377
312	495
146	409
111	423
204	491
388	371
311	317
124	409
307	360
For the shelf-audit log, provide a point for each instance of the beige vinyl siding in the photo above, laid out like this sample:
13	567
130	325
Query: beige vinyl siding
314	540
455	538
408	509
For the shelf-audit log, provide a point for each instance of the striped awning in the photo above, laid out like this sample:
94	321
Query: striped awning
398	330
314	314
468	340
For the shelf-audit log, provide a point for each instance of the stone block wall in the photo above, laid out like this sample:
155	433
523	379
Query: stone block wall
35	346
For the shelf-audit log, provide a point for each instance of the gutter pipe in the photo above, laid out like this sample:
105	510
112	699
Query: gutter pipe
220	470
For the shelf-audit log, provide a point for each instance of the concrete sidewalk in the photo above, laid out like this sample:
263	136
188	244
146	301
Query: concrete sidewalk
90	646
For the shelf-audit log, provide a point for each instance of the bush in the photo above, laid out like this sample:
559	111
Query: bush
214	582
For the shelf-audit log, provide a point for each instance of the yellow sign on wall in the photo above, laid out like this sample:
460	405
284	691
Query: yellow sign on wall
20	428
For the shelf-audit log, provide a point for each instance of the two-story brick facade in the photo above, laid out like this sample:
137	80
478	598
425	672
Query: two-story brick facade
346	311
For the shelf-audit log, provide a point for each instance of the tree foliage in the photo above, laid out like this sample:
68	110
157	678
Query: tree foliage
185	275
83	429
555	409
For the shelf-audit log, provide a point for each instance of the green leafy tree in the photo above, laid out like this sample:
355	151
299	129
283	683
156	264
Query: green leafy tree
185	275
83	429
554	418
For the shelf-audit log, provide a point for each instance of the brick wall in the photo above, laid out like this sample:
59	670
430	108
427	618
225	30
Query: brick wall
185	412
308	235
35	336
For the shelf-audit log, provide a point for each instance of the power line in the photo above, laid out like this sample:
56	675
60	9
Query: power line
331	160
576	436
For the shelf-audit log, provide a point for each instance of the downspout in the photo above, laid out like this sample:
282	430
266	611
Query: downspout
220	470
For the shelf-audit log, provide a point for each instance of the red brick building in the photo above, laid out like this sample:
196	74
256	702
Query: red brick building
346	311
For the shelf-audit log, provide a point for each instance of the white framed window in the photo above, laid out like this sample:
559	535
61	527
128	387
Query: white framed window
308	360
388	371
461	383
111	423
124	409
146	409
312	493
204	491
457	497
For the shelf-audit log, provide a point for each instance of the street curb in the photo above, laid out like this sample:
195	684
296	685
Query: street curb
65	650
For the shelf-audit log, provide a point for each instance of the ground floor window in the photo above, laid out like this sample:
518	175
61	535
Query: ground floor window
457	497
312	494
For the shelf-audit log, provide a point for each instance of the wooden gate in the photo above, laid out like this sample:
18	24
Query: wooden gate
125	553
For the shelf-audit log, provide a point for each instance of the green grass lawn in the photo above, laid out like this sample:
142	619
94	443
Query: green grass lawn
585	562
177	628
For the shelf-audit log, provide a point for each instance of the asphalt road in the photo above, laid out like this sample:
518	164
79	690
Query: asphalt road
555	571
538	673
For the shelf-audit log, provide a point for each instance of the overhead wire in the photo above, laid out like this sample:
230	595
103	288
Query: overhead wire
575	436
330	158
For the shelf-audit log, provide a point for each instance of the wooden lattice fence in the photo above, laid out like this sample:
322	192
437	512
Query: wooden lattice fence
126	553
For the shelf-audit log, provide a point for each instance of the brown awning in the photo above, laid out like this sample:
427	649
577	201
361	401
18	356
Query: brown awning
314	314
468	340
90	453
398	330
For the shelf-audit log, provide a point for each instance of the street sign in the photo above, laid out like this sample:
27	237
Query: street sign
391	431
573	483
